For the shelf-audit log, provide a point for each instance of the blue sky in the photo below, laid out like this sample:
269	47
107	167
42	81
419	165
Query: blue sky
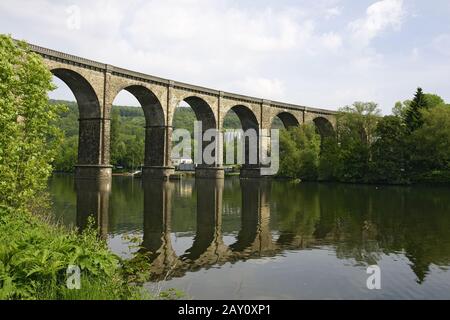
323	53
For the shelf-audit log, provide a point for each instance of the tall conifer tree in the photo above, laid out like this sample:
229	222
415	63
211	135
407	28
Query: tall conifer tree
413	118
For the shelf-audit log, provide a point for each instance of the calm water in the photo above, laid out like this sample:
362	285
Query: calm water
257	239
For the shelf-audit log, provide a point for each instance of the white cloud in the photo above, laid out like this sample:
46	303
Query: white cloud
331	40
442	44
380	16
415	55
333	12
263	87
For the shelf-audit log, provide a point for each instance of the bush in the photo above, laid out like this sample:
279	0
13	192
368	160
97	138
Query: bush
330	165
299	153
28	140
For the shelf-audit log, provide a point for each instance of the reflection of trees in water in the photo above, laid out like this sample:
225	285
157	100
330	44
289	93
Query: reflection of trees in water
297	213
361	222
364	222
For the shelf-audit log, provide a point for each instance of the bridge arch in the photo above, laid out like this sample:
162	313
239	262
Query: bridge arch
250	125
246	117
155	124
288	119
324	127
202	109
87	100
150	104
90	131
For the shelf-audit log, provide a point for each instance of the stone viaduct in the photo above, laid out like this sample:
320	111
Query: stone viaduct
95	86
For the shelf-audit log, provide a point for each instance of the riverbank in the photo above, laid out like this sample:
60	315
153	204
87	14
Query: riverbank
440	178
35	254
419	182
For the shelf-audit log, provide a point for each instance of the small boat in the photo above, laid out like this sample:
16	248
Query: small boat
137	174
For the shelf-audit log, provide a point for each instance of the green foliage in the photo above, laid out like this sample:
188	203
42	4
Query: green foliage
232	121
431	142
401	108
355	162
411	145
172	294
330	163
356	127
433	100
358	122
299	152
184	118
404	109
390	163
413	116
28	141
68	155
289	155
67	121
34	256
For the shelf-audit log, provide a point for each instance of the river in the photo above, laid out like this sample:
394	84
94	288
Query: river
270	239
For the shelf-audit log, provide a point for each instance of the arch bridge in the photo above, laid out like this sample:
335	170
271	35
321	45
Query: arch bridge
95	86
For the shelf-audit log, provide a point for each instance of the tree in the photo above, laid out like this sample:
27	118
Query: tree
67	155
413	118
361	118
432	141
389	163
430	100
356	127
401	108
29	141
433	100
299	152
289	155
308	141
330	164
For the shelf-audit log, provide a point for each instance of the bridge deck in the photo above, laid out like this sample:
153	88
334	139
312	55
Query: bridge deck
64	57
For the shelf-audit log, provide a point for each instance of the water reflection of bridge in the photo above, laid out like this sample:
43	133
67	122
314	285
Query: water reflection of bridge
361	224
254	239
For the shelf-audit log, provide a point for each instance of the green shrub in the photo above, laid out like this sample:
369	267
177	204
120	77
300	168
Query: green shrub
299	153
34	257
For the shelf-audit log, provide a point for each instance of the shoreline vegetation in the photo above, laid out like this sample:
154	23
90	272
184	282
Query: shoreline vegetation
412	146
36	251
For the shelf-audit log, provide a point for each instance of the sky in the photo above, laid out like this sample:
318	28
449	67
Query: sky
322	53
